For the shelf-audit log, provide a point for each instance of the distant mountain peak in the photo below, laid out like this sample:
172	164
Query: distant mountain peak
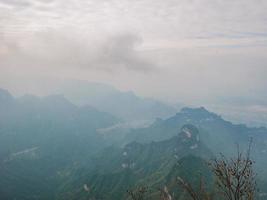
200	112
5	96
191	110
29	98
57	99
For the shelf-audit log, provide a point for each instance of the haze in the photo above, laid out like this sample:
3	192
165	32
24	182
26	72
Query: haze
197	52
133	99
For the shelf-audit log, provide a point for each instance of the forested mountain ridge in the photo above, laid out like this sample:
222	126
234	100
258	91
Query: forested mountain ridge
53	149
40	138
219	135
118	169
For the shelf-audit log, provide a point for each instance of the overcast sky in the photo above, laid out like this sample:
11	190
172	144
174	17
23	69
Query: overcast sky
173	50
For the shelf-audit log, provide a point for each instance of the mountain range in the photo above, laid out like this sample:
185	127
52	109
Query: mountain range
117	169
122	104
40	137
51	149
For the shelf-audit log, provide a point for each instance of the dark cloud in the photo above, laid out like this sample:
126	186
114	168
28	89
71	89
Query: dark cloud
62	50
121	51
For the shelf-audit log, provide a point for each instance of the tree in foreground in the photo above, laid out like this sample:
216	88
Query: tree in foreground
235	179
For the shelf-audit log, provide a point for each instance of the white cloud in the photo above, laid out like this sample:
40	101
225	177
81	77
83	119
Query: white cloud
202	49
60	50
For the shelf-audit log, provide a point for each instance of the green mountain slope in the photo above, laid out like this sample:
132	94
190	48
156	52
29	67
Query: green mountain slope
219	135
42	137
118	169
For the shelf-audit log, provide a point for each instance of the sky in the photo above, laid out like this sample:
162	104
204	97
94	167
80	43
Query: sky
192	51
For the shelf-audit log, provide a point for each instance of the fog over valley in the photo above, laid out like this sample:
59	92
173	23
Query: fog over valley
133	100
